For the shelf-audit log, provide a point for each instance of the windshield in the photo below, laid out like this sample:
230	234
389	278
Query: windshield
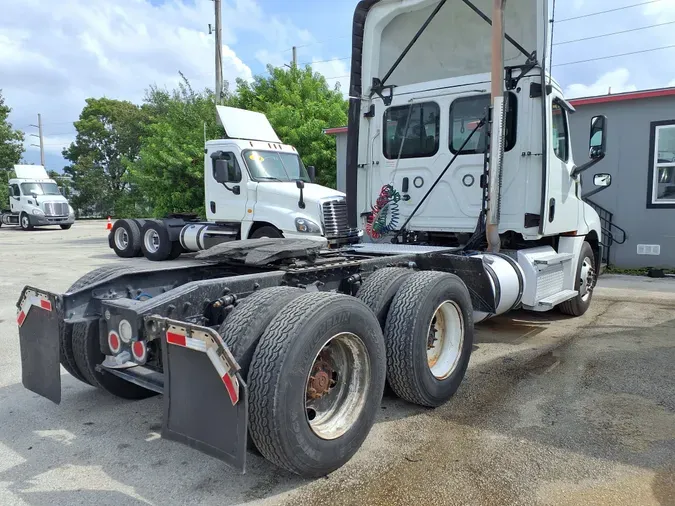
40	189
275	166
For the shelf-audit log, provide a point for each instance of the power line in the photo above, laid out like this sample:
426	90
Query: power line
608	10
326	61
319	42
613	33
614	56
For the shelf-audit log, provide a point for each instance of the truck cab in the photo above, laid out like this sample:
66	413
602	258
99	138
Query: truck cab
35	200
251	178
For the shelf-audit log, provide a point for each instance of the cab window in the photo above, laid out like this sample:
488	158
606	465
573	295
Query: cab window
411	130
559	132
233	175
465	115
15	190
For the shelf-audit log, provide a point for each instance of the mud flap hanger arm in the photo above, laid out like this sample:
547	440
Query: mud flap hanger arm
379	85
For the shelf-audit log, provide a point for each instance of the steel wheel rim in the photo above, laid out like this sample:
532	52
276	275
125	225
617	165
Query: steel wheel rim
337	386
121	239
445	338
151	241
25	221
587	279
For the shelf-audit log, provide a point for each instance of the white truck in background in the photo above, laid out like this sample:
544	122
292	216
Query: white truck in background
36	201
254	186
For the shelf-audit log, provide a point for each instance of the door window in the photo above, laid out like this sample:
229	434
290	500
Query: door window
411	130
233	175
466	113
15	190
560	134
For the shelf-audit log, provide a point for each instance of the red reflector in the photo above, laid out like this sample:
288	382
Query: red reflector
175	339
20	319
45	304
231	390
114	342
138	349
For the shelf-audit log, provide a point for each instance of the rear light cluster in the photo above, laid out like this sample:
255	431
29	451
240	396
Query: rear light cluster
124	336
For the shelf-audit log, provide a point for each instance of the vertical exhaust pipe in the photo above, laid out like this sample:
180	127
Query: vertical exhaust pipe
497	128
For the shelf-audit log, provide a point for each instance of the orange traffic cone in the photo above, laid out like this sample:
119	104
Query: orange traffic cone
108	226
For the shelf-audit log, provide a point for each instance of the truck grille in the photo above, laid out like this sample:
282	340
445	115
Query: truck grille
56	209
335	218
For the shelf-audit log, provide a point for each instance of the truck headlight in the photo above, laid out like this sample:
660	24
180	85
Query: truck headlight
307	226
38	212
71	211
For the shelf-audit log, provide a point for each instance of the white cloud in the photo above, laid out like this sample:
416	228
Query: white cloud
54	55
617	81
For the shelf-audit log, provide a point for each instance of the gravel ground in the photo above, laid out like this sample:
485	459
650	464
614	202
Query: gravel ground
553	410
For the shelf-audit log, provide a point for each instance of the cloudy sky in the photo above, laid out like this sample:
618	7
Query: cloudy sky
54	54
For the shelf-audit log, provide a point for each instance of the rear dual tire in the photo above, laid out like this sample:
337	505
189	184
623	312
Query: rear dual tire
427	319
315	383
156	243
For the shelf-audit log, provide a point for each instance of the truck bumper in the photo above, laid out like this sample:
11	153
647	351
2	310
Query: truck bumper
41	221
205	397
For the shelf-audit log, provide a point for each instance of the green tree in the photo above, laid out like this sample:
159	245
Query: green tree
11	149
169	173
108	138
300	105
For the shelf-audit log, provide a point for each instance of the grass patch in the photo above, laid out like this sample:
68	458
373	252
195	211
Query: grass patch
641	271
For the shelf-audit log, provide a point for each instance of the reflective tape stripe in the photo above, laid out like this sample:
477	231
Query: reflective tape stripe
173	338
31	299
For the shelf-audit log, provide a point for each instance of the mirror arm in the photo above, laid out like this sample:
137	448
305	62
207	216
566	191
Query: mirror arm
581	168
593	192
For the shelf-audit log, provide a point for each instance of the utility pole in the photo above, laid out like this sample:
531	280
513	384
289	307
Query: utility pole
295	56
42	142
219	57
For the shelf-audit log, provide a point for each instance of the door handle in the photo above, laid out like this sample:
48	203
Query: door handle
405	185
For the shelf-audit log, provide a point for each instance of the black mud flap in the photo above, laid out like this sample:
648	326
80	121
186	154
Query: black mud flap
38	317
205	398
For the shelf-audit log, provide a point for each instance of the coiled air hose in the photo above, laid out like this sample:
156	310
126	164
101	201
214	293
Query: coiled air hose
385	213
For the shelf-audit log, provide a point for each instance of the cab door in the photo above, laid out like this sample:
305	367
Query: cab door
226	200
560	211
14	198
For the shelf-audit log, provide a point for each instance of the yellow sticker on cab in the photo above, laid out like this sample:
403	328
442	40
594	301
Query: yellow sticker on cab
256	157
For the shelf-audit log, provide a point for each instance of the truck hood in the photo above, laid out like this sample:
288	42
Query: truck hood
311	193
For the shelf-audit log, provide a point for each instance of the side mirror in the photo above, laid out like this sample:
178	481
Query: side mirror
34	195
601	181
220	171
597	145
300	184
311	170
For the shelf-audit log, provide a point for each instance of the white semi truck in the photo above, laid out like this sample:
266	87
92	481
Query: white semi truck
36	201
255	186
460	170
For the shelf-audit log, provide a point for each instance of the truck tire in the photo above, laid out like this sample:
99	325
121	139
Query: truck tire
87	352
426	368
266	231
156	243
242	329
65	227
140	224
587	276
24	221
67	356
379	289
126	238
321	344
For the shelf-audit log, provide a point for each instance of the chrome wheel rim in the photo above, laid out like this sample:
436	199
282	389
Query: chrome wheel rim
25	221
121	239
337	386
151	241
587	279
445	339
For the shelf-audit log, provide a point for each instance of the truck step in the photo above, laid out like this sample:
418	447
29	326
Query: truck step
557	298
554	259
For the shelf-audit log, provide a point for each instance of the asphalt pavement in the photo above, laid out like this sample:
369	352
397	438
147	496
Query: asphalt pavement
554	410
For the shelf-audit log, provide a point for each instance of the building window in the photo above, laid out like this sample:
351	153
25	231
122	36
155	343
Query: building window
465	113
662	168
559	131
411	131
